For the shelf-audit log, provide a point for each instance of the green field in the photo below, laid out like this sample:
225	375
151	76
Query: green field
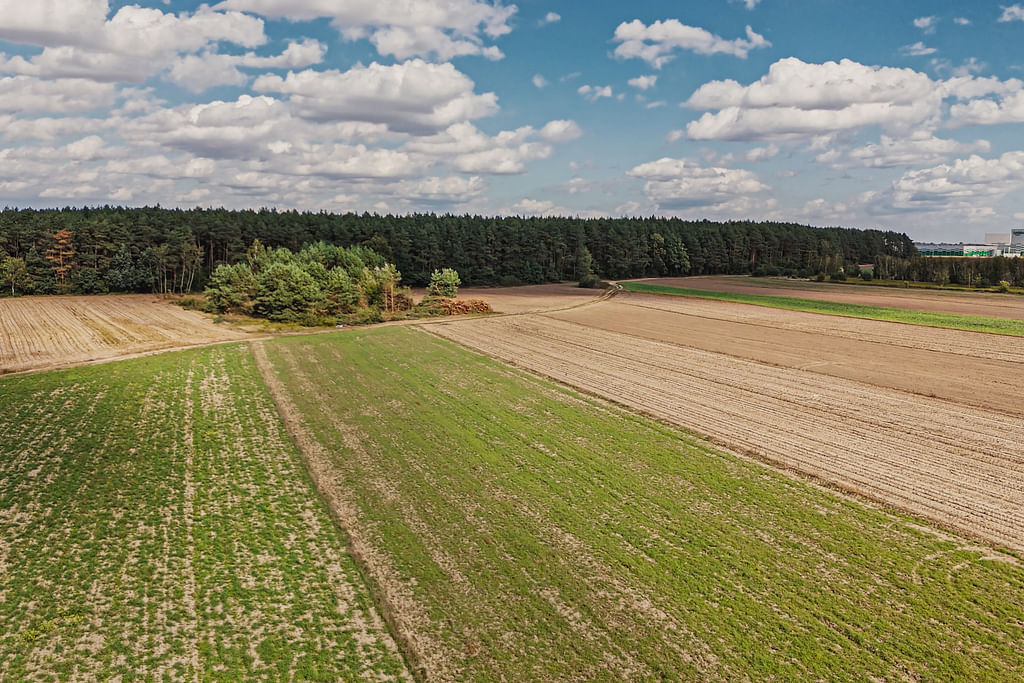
521	531
971	323
157	523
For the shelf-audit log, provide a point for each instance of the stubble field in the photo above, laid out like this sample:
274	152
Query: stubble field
45	332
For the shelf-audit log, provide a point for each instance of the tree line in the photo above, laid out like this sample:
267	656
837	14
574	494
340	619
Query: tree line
91	250
944	270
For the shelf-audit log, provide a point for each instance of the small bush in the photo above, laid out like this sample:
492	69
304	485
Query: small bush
839	276
820	277
867	275
1004	286
590	281
192	303
365	316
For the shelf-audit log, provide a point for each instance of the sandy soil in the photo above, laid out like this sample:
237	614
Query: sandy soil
528	298
39	332
965	303
949	459
949	364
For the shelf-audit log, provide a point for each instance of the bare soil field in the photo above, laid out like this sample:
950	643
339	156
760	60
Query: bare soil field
39	332
949	364
963	303
528	298
959	465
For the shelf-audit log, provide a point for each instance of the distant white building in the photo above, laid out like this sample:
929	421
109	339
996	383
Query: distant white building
996	244
1016	241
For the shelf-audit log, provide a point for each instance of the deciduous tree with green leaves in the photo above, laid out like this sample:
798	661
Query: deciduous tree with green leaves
15	275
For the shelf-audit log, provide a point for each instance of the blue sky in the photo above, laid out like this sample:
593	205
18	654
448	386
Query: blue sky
905	116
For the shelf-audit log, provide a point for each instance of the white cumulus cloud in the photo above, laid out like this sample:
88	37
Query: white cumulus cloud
643	82
796	99
919	149
401	28
918	49
560	130
413	96
1012	13
133	45
595	92
926	24
655	44
680	183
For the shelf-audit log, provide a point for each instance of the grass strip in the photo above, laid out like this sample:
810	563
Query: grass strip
543	535
953	321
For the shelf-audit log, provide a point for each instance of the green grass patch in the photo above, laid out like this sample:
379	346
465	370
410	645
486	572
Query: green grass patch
157	523
910	284
544	535
970	323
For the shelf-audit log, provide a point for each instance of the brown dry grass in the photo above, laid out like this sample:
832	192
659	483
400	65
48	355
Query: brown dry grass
46	332
958	465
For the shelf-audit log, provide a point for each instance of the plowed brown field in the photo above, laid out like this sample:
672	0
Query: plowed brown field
976	369
46	332
950	460
941	301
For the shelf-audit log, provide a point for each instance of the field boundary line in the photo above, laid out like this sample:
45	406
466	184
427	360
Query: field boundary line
608	294
966	538
317	464
710	295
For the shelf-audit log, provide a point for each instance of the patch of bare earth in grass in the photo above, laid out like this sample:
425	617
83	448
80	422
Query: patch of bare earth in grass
164	526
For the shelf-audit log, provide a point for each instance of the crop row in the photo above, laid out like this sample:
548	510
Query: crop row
959	466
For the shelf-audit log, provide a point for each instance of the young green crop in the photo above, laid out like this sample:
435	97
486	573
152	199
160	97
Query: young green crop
971	323
538	534
157	522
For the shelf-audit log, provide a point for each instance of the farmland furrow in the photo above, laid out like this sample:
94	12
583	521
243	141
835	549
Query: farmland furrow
39	332
959	342
962	467
884	360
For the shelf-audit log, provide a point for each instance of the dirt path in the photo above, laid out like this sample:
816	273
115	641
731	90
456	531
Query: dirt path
958	465
963	303
396	605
